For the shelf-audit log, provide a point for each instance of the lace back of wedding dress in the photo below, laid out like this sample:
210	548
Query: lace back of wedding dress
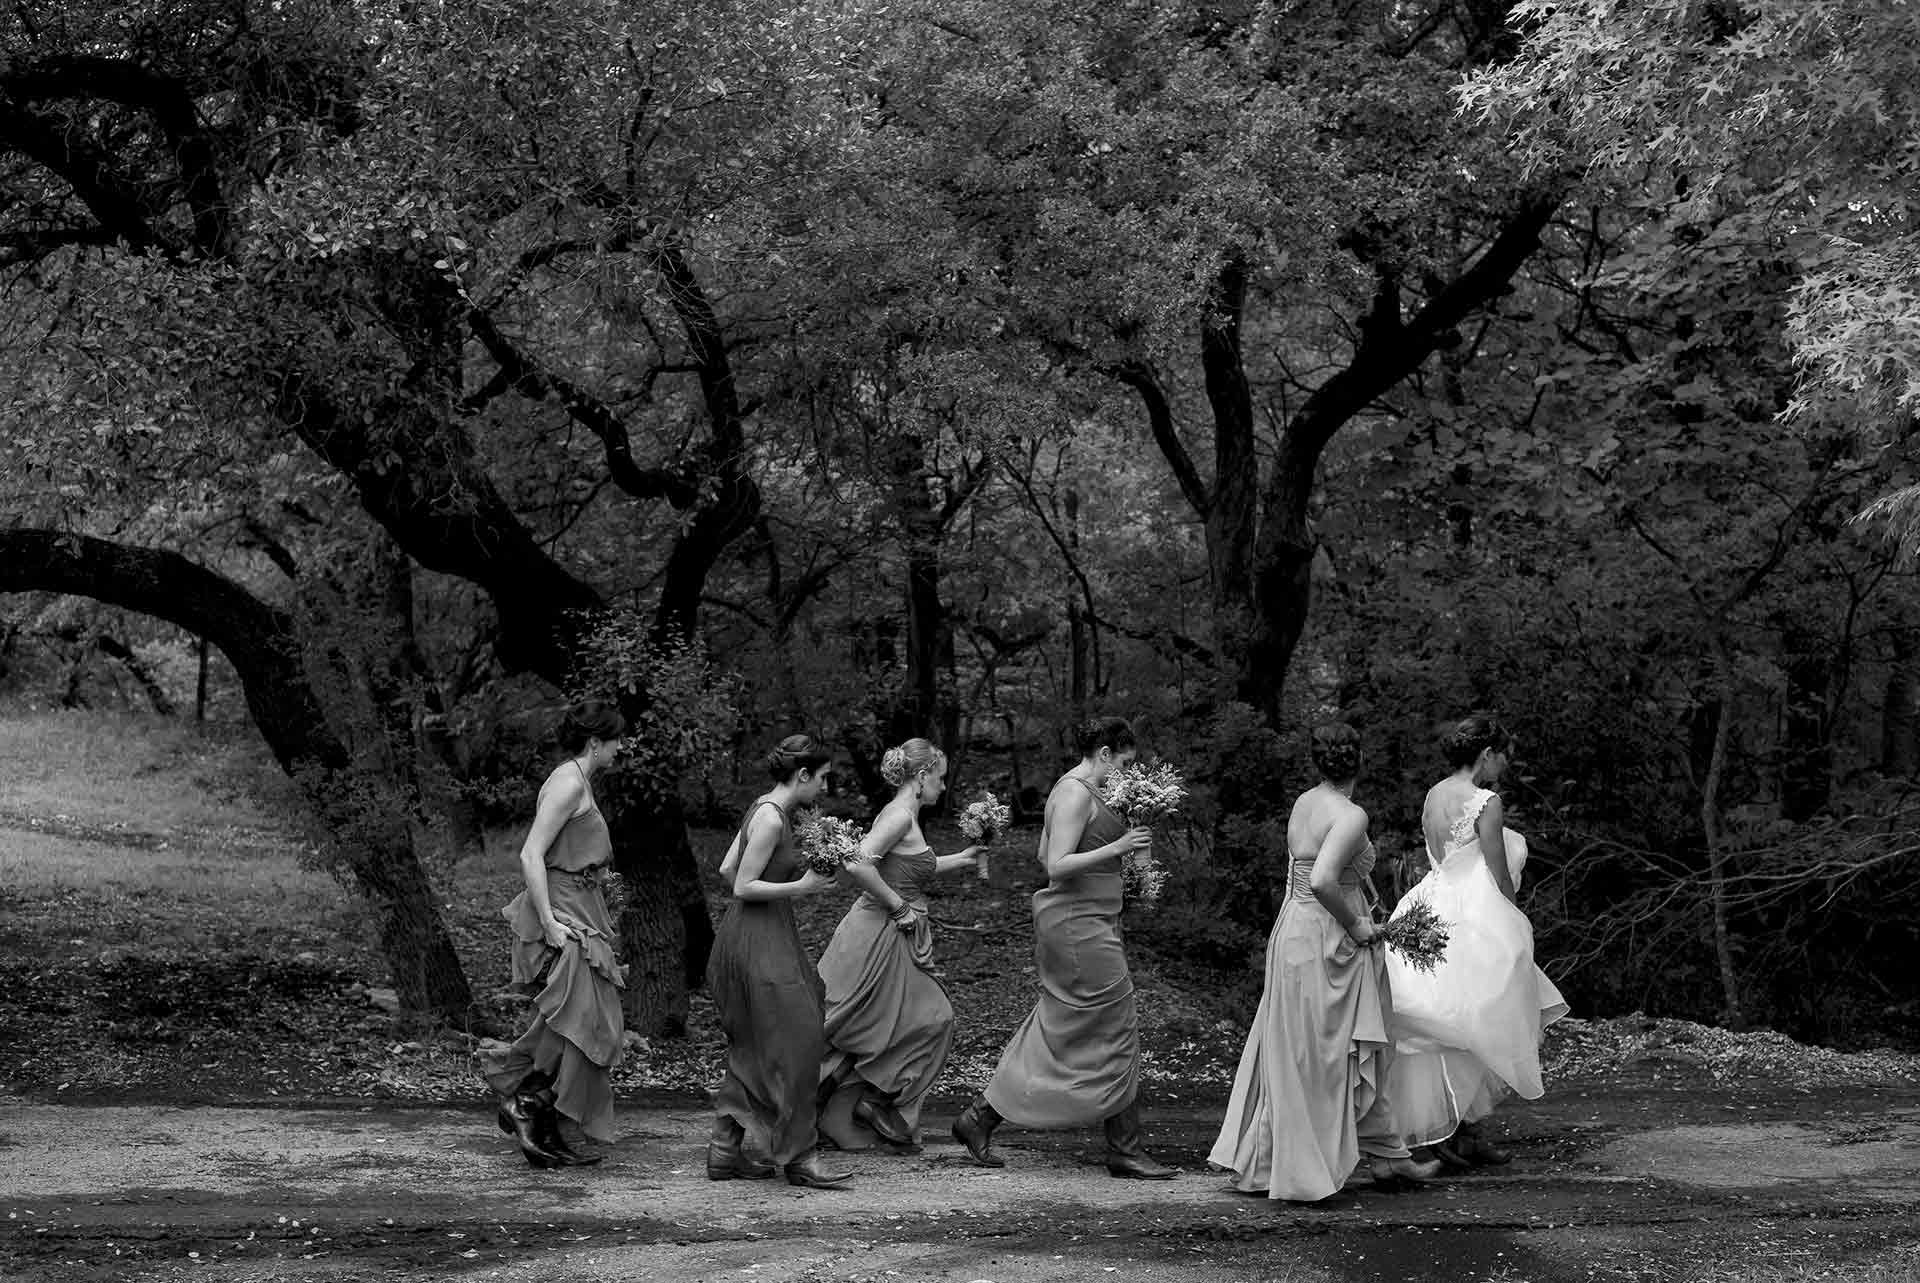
1462	831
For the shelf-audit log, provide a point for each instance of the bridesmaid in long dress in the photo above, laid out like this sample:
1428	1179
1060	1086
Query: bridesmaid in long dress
765	989
1076	1060
1467	1034
1309	1098
889	1024
563	950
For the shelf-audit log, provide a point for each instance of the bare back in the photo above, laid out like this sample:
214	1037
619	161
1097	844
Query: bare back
1315	814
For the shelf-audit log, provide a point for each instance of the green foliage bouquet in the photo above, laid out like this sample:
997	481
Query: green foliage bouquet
828	844
1418	936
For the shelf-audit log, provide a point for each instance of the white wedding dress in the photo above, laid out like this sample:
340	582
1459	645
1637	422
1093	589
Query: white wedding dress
1467	1033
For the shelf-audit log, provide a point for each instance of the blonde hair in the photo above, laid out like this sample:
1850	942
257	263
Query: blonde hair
904	761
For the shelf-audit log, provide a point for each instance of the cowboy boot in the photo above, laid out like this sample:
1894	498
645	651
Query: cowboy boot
1389	1173
727	1158
537	1089
1127	1156
974	1129
806	1172
877	1114
517	1120
1477	1149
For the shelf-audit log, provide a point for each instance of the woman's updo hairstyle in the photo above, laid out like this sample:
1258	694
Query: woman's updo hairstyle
1336	751
794	754
1472	736
590	719
904	761
1103	732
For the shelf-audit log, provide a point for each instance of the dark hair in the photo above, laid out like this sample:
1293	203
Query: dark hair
1336	751
794	754
1471	736
589	719
1103	732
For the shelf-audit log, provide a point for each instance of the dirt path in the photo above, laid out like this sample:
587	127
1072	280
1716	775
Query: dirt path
1634	1182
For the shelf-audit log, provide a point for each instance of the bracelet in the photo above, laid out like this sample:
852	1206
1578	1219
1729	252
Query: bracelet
900	914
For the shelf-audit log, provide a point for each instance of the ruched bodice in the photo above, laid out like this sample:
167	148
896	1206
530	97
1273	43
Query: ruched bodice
889	1024
1300	874
908	873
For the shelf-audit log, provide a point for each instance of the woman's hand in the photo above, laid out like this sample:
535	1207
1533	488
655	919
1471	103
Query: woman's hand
811	883
906	918
557	933
1364	933
1136	840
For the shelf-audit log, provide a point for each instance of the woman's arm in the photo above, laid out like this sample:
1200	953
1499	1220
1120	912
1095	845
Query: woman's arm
1493	845
1345	840
888	828
966	859
1068	811
763	834
559	798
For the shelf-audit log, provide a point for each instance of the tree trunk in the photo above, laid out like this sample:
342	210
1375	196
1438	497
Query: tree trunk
1716	840
1899	718
1806	763
114	648
260	642
665	931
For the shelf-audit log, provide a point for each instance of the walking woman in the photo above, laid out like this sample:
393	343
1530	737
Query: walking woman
766	990
563	950
889	1024
1076	1060
1467	1034
1309	1099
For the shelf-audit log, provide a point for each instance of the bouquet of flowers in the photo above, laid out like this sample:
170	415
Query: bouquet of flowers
1141	880
1145	794
1418	936
980	821
828	844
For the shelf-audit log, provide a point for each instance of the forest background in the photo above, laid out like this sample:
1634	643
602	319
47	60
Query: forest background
385	373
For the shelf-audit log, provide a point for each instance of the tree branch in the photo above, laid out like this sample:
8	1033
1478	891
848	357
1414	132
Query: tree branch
1140	377
531	380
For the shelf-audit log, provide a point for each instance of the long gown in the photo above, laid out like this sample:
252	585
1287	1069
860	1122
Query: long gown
889	1024
769	1000
1467	1034
1309	1096
574	1036
1076	1059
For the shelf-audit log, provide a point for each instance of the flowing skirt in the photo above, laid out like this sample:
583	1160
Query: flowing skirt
769	1000
1076	1059
889	1024
1309	1096
1467	1034
574	1036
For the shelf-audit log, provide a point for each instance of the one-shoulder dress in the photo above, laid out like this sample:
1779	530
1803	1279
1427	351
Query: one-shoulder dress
770	1003
1076	1059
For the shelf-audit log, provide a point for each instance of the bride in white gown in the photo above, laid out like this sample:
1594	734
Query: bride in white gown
1467	1034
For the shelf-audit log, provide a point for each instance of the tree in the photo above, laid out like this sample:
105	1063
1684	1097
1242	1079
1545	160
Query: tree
1182	203
335	215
